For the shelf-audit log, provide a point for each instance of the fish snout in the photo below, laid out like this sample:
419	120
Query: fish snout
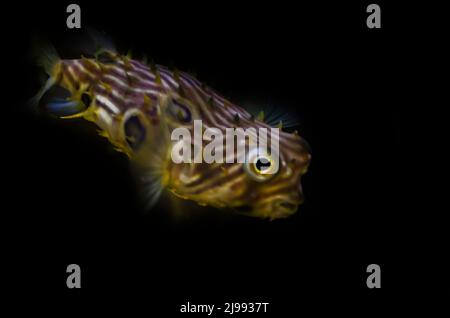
286	204
305	146
284	207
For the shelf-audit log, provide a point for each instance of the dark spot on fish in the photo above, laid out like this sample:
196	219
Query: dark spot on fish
55	91
134	132
180	112
86	99
57	101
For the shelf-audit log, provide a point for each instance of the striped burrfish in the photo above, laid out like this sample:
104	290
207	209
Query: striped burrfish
137	105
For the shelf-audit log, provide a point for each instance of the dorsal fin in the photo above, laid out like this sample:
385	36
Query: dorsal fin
46	55
280	125
260	116
129	55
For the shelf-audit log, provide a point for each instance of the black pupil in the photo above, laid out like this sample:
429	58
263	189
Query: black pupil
262	163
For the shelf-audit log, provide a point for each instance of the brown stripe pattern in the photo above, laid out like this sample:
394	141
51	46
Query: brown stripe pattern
126	84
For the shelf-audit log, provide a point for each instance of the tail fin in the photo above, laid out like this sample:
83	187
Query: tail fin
46	57
34	101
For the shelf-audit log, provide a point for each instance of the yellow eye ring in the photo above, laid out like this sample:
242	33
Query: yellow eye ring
260	165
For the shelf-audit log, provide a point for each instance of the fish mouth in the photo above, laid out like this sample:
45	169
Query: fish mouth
288	206
283	208
280	208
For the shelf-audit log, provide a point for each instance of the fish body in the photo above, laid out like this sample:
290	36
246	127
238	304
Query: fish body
137	106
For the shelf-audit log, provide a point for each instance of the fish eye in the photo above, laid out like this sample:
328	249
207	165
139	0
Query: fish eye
261	166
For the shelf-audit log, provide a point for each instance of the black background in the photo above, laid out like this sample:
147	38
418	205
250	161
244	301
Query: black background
75	202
